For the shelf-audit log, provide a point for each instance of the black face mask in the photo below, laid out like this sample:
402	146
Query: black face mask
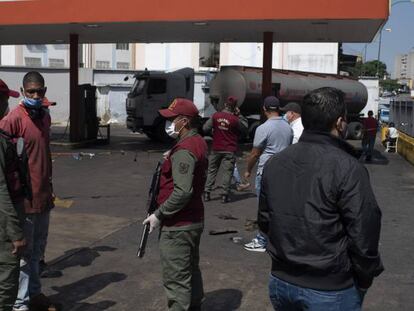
35	114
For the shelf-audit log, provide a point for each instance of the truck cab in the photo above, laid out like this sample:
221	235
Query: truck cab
152	91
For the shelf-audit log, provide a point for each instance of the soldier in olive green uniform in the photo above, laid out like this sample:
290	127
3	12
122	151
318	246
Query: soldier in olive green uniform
181	210
227	127
11	232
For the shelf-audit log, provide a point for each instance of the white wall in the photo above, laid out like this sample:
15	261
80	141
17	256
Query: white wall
154	57
313	57
111	95
8	55
243	54
372	86
166	56
57	82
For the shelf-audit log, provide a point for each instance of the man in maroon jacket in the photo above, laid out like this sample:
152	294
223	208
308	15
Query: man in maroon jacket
31	121
181	209
370	128
227	127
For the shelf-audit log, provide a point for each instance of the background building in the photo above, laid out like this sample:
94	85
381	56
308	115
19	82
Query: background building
106	66
404	67
314	57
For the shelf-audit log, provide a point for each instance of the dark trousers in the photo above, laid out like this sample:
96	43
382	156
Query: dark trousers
181	273
226	160
368	144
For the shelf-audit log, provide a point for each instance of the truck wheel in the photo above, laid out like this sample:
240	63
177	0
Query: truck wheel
355	130
252	129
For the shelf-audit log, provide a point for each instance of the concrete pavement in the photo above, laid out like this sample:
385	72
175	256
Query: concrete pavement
93	242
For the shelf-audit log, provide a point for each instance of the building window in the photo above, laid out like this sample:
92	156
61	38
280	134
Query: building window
122	46
100	64
61	46
33	61
56	62
122	65
37	48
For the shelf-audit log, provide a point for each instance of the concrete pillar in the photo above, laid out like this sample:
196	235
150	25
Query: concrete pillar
74	110
267	64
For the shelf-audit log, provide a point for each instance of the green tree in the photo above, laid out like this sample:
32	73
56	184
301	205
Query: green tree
368	69
390	85
373	67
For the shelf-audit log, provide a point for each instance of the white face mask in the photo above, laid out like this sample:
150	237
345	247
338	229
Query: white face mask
170	129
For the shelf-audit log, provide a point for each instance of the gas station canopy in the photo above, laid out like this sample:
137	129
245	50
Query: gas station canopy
103	21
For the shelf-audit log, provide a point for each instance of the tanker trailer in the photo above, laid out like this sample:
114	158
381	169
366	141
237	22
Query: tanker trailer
288	86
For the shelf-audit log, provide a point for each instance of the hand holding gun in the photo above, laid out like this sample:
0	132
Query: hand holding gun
151	221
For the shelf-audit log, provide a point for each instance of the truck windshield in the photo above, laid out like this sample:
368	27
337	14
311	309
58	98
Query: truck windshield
138	87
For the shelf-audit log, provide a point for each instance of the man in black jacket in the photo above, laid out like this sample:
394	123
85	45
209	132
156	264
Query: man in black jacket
320	215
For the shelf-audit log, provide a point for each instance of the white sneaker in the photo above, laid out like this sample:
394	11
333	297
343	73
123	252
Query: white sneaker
255	246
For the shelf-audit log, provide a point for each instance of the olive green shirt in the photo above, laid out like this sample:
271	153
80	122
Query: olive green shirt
10	225
183	186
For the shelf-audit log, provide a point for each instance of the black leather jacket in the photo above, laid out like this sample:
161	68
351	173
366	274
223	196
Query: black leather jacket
320	215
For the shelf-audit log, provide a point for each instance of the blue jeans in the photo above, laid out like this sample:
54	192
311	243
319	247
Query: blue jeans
368	144
260	237
36	228
236	175
288	297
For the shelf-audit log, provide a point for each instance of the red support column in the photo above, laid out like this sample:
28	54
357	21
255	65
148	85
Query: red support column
74	111
267	64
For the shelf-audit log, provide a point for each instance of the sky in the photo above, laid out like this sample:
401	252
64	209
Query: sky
399	41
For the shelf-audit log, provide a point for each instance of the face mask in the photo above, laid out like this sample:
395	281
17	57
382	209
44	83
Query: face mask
32	103
170	129
285	118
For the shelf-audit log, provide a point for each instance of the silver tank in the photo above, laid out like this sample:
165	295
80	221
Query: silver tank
246	84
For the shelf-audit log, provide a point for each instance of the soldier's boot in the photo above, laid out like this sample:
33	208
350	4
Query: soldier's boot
225	198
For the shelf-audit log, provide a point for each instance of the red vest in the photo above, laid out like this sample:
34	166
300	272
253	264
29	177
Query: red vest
193	212
226	132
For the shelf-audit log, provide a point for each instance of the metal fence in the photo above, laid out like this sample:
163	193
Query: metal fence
402	114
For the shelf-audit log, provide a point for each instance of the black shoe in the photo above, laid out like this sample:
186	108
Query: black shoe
207	196
225	198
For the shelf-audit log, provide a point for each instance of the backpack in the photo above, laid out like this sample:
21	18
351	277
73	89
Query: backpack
17	167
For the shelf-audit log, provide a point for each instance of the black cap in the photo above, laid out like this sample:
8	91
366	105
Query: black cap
295	107
271	103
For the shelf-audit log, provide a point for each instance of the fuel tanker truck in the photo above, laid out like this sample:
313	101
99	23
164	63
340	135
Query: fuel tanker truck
289	86
155	90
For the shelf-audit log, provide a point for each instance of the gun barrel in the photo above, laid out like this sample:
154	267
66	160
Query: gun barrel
143	242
